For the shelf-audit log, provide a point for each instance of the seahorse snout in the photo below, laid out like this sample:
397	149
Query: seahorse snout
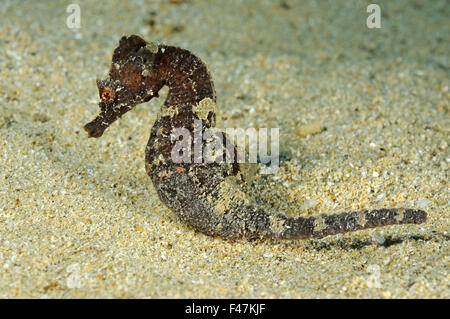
95	128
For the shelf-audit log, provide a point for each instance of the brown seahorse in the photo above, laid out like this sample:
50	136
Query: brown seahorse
207	195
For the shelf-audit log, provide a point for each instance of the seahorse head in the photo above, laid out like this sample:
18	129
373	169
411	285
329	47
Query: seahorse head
133	79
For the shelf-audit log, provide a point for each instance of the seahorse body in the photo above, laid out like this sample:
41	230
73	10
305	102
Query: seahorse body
209	196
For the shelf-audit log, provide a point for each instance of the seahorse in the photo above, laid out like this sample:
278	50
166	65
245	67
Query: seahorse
210	195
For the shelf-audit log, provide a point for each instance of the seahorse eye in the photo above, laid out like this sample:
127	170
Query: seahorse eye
107	94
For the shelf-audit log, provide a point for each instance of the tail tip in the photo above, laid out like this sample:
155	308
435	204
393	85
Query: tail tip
415	216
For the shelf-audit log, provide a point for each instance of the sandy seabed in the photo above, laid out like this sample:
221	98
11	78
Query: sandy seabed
364	123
